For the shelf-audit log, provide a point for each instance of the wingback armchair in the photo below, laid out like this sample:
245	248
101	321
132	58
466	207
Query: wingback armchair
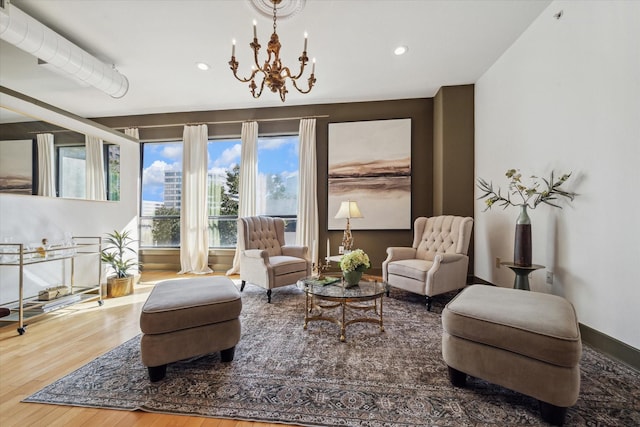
265	259
436	262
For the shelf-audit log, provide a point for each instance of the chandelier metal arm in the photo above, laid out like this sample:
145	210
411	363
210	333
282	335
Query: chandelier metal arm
234	67
303	62
253	88
310	82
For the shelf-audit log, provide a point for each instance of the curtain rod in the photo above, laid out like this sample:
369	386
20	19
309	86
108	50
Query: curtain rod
54	131
223	122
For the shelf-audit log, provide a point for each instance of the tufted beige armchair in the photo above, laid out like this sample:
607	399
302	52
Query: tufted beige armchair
265	260
436	262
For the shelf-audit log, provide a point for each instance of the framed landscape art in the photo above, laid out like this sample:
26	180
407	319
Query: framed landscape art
370	163
16	166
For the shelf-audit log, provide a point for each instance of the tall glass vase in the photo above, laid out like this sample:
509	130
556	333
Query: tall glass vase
522	245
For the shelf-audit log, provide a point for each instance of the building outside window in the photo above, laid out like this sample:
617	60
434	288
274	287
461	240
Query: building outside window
277	189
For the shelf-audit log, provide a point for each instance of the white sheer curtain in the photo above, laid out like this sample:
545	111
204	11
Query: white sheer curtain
194	220
46	165
307	227
247	181
96	188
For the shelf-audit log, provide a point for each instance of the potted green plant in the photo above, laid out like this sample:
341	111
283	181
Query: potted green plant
353	264
114	253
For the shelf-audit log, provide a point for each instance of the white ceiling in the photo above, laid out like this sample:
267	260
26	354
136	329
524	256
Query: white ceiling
156	44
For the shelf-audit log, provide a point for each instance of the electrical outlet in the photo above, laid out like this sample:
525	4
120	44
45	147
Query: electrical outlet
498	260
340	250
550	277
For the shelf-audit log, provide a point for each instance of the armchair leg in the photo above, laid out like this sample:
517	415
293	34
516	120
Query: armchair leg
429	301
242	285
269	295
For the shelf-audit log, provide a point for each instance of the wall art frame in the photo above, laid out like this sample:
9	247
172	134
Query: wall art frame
16	166
370	162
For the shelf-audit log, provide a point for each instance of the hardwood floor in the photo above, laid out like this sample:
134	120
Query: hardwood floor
61	342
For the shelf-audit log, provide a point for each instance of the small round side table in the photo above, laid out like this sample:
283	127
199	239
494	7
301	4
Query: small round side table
522	274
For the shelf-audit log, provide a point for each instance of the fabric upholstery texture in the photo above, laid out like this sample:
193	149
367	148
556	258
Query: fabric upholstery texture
266	260
526	341
160	349
187	303
184	318
536	325
437	261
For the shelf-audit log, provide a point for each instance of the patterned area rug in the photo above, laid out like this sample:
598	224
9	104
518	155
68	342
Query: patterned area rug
284	374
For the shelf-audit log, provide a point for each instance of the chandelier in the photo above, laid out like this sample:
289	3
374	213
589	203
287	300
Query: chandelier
274	74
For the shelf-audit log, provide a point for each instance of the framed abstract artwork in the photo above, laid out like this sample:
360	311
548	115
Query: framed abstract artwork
16	166
370	163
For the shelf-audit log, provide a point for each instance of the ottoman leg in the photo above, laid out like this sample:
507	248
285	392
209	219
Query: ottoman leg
156	373
457	378
227	355
552	414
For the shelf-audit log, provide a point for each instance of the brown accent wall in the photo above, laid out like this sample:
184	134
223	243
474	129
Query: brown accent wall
453	154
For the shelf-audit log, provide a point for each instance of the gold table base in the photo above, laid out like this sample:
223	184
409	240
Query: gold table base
345	303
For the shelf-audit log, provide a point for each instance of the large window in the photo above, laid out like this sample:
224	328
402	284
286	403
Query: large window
71	171
277	191
162	185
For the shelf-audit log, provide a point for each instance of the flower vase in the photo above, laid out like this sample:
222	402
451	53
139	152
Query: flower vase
522	244
351	278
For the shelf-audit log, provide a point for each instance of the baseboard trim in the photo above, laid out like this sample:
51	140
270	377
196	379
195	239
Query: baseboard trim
471	280
610	346
618	350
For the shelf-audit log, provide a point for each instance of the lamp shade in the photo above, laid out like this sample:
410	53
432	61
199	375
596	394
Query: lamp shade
348	209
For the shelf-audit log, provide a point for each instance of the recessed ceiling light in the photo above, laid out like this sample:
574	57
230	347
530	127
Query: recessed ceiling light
401	50
202	66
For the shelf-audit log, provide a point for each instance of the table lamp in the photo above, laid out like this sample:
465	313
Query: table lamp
348	210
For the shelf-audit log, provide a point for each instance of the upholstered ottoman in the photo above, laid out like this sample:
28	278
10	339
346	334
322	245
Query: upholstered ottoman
525	341
184	318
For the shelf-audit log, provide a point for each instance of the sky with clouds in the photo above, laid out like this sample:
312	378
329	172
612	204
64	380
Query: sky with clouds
275	155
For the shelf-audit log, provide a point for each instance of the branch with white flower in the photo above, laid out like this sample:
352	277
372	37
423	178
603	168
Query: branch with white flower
530	196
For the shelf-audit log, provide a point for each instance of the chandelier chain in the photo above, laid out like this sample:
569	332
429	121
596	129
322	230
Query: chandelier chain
274	17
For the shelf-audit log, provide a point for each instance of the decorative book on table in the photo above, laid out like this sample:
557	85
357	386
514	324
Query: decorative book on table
323	280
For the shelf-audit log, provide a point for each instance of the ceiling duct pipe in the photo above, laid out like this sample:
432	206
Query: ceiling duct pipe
24	32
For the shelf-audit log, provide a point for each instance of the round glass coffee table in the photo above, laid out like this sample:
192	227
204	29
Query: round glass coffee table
323	293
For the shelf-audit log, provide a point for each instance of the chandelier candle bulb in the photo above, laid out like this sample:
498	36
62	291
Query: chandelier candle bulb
233	47
305	42
255	35
313	66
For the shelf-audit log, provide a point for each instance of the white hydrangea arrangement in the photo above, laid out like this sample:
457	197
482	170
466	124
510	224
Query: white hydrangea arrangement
356	260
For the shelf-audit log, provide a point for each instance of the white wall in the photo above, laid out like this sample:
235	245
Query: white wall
31	218
566	96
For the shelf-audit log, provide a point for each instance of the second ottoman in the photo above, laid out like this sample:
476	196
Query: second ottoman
184	318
